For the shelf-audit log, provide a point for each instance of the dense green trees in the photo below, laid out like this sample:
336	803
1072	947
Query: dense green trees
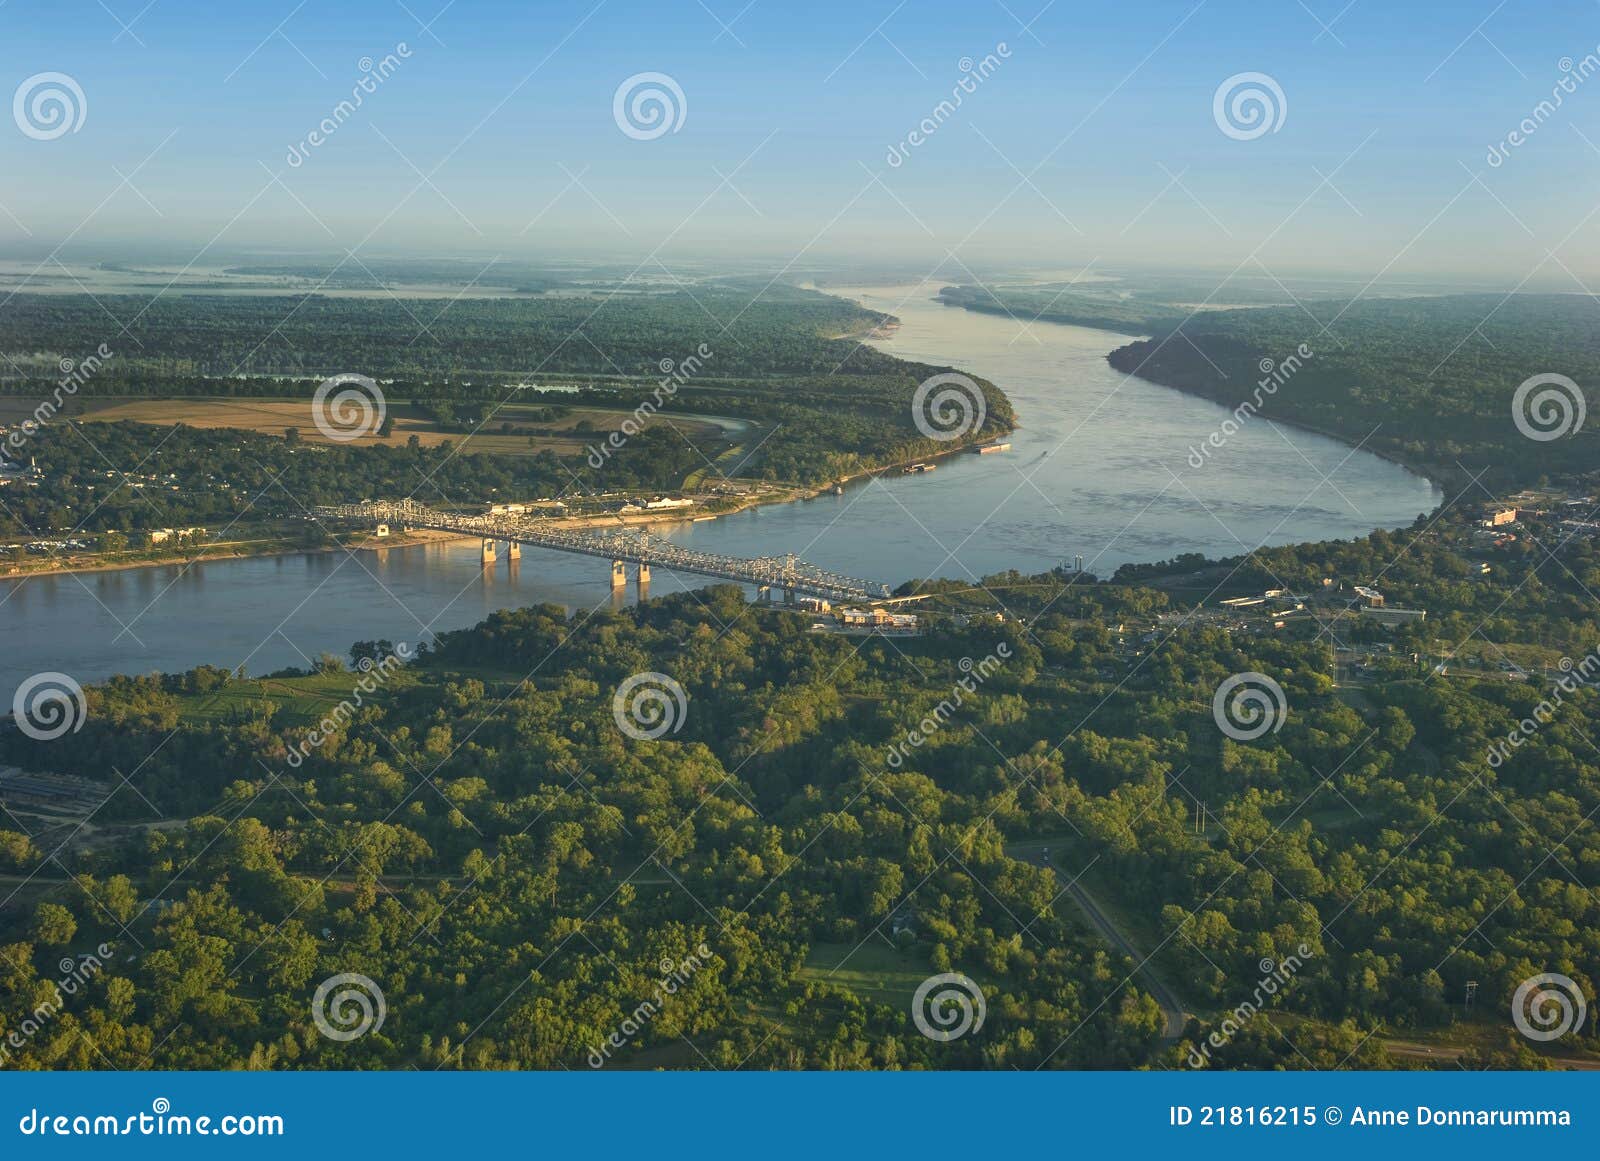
486	844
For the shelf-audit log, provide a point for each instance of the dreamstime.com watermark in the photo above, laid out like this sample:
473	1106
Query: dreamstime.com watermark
347	1006
947	1006
374	675
936	718
1573	75
49	105
75	975
48	706
349	406
673	977
649	105
1574	676
160	1121
1548	406
1249	105
1274	977
1548	1006
948	406
373	75
1273	376
675	376
73	376
973	74
1249	705
649	705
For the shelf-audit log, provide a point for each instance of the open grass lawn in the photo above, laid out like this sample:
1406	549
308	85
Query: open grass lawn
300	700
874	971
275	416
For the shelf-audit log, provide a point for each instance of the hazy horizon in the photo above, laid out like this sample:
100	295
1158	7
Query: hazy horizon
489	130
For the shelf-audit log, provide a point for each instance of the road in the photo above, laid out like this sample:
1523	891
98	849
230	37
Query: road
1171	1007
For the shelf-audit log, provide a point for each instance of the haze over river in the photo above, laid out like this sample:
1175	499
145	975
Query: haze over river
1100	467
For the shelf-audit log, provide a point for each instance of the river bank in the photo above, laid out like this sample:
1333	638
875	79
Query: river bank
1127	359
1090	472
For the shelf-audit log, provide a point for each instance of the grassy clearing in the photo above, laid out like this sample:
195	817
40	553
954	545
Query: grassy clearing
874	971
300	700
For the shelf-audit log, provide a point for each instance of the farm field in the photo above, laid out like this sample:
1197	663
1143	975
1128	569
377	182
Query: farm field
513	431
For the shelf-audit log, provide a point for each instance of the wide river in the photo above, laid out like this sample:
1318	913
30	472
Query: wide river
1099	468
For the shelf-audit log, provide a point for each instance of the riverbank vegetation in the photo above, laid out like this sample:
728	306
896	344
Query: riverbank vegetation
207	402
481	840
1427	381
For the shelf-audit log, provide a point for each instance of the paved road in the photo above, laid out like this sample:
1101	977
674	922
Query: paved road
1171	1006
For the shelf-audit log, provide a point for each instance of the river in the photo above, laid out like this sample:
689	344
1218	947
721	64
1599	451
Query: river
1099	468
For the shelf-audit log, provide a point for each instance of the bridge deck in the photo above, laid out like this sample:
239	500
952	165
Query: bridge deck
633	545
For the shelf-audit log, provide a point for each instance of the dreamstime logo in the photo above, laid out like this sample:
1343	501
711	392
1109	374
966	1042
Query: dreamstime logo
676	374
649	105
948	1006
74	374
49	105
1573	75
1548	1006
1274	374
945	710
375	672
49	705
648	705
1556	410
1274	977
356	407
948	406
348	1006
973	74
1248	705
373	74
1249	105
75	976
673	977
1574	676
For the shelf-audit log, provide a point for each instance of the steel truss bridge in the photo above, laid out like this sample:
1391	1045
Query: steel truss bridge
620	546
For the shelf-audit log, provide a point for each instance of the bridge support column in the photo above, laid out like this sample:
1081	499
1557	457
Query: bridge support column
644	575
513	550
381	531
764	594
788	596
488	552
619	574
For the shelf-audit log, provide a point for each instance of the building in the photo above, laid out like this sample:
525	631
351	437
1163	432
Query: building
877	620
163	535
663	503
1369	597
1499	515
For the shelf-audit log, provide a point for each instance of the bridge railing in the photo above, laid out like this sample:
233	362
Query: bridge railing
634	545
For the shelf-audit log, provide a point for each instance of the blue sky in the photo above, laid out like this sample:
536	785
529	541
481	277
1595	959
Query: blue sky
1093	140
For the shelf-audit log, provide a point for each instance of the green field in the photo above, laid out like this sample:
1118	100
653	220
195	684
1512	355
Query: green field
873	971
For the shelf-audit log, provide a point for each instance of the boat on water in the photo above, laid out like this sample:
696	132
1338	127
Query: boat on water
991	448
912	469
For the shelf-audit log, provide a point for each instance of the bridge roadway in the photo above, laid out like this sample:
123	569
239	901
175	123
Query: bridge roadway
619	545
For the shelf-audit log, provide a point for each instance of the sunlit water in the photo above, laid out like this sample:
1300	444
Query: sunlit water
1099	468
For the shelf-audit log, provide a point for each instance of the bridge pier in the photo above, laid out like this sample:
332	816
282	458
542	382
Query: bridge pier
644	575
763	594
619	574
381	531
788	596
513	550
488	551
